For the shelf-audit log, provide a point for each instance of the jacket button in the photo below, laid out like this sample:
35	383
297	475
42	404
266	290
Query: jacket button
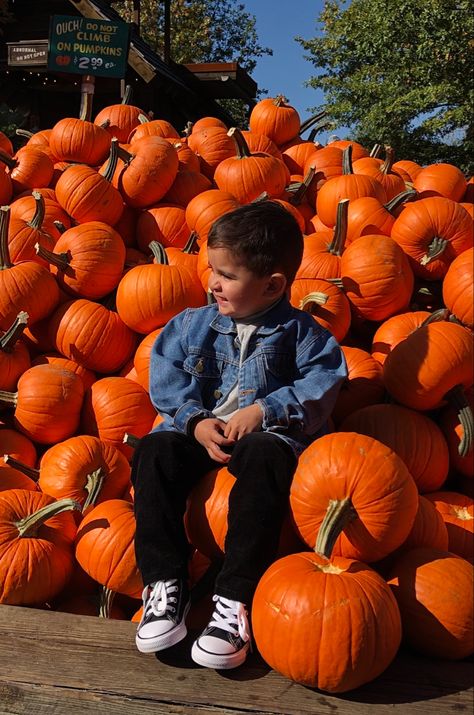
217	394
200	366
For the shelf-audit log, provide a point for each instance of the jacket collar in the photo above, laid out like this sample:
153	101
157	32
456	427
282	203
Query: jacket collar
274	319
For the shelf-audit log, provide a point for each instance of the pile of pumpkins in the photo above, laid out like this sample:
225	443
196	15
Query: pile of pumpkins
103	229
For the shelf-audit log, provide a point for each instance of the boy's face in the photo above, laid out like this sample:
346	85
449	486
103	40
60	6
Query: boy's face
237	291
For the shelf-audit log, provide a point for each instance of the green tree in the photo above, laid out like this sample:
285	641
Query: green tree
399	72
202	31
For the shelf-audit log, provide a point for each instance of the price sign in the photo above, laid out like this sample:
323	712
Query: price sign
84	45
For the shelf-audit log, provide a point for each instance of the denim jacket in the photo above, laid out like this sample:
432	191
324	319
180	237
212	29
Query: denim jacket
293	371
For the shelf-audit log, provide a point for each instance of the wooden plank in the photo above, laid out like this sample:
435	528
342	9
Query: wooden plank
47	656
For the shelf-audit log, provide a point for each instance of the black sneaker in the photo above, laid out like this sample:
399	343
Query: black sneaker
225	642
165	606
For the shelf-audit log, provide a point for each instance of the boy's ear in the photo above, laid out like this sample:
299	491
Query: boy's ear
276	284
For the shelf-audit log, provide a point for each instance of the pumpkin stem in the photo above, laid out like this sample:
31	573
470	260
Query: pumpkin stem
125	155
337	244
336	281
309	300
311	121
159	252
60	226
376	151
11	335
85	111
340	512
347	160
131	439
400	199
279	100
435	249
188	129
29	525
191	246
241	145
24	133
60	260
37	221
105	602
389	159
302	187
109	169
458	400
143	119
10	397
128	94
95	481
30	472
5	261
7	159
436	317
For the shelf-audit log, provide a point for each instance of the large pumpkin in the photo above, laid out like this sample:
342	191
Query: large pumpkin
36	546
352	491
434	591
332	625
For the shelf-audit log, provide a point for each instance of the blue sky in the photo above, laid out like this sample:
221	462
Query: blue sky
278	23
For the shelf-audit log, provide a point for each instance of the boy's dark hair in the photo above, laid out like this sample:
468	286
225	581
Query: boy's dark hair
263	235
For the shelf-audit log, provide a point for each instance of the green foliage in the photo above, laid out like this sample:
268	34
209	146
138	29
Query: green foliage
201	31
11	119
399	72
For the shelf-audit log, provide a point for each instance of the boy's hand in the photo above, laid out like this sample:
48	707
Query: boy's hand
248	419
210	433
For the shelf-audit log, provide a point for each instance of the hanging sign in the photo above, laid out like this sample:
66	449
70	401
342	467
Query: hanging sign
28	54
85	45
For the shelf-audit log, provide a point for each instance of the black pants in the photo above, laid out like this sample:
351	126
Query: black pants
166	466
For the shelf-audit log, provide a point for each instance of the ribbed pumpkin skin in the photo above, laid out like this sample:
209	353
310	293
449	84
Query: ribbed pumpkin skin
458	288
376	277
346	186
434	591
249	176
441	180
457	511
150	174
105	547
11	478
33	569
394	330
206	514
34	168
115	405
88	196
24	208
421	369
92	335
164	223
334	314
205	208
149	295
64	468
423	220
376	480
122	119
30	287
18	446
97	257
78	140
367	216
413	436
49	403
363	385
276	119
328	625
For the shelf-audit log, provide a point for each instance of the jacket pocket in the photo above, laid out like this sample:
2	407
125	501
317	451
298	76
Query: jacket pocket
203	367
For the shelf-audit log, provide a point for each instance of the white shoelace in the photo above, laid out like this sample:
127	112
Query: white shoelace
230	616
159	601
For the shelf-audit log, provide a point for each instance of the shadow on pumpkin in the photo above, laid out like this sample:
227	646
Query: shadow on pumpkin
92	526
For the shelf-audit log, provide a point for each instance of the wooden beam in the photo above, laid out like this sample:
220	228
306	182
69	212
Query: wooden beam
82	665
